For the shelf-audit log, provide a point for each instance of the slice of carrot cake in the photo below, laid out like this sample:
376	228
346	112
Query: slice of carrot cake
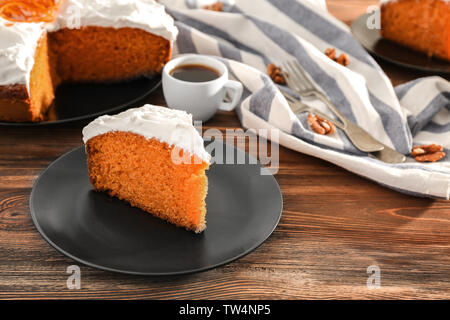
153	158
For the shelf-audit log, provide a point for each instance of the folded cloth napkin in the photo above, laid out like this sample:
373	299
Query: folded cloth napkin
248	35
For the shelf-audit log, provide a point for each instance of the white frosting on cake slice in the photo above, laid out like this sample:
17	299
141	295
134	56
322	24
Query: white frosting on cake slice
173	127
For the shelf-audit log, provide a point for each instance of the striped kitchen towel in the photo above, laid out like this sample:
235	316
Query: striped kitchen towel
248	35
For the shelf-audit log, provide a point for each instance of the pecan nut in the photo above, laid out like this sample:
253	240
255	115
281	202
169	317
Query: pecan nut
275	74
218	6
428	153
320	125
426	149
342	59
432	157
331	53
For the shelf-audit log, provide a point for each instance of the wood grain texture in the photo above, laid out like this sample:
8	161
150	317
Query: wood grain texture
334	225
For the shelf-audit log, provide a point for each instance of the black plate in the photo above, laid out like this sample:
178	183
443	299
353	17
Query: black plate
395	53
244	208
76	102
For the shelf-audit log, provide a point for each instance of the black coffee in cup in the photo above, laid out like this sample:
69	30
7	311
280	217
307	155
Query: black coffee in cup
194	73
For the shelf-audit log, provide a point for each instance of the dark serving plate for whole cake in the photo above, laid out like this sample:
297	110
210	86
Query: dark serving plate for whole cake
76	102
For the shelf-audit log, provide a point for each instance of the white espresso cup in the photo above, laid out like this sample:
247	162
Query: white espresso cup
201	99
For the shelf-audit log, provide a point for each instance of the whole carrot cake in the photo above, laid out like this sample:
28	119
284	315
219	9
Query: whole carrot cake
46	42
153	158
423	25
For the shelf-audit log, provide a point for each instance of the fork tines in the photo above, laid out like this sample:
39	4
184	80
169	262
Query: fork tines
297	78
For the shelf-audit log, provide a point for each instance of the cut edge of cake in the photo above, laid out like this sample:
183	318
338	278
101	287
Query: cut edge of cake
131	157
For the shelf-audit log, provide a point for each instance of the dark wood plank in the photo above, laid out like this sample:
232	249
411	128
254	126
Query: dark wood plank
334	225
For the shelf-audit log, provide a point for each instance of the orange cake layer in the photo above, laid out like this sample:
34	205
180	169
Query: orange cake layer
15	104
106	54
141	172
90	54
423	25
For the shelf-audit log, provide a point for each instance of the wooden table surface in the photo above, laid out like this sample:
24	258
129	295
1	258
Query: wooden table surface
334	225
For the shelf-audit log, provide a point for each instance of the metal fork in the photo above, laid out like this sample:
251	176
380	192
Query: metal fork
299	82
385	154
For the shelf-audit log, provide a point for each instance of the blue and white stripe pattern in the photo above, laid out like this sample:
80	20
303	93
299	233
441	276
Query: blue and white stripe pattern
248	35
